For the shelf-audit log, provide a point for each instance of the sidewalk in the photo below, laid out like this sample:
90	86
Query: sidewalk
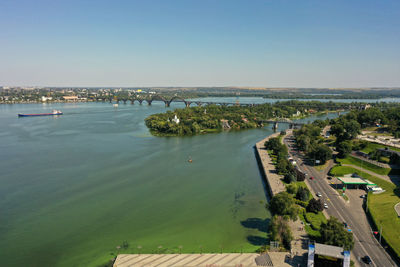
273	179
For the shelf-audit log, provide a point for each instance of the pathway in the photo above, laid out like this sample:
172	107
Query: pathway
273	179
397	209
276	259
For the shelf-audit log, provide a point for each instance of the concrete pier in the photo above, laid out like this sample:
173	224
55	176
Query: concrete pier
163	260
273	180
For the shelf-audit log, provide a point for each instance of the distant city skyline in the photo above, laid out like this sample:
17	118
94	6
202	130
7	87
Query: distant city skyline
312	44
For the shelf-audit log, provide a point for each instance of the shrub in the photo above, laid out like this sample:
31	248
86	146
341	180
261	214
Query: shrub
302	194
315	205
289	177
292	189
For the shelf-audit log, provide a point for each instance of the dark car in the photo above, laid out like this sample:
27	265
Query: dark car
312	178
345	224
329	177
367	260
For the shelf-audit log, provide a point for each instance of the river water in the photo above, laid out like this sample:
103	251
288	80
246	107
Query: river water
74	188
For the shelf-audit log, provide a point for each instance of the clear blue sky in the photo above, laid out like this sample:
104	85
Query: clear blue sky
266	43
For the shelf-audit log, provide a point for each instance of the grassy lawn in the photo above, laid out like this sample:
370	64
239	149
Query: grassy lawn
373	146
381	206
340	191
365	165
314	234
315	219
321	167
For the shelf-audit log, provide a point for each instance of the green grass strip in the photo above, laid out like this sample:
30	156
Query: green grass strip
365	165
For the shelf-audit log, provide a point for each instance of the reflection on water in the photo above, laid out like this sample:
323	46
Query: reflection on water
74	188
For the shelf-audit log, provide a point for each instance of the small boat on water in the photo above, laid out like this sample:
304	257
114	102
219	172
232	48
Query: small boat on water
190	160
55	112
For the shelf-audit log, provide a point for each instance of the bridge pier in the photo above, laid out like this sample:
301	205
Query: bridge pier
187	103
132	101
198	104
140	101
149	102
124	101
167	103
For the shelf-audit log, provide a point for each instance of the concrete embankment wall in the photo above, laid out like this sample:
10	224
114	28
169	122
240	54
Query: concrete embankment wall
267	168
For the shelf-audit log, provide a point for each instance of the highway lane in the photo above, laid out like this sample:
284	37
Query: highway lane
365	242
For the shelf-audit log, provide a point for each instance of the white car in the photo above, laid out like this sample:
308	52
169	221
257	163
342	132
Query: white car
325	205
319	194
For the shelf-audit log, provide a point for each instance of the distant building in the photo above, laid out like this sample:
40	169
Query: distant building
46	98
175	119
366	106
225	124
70	98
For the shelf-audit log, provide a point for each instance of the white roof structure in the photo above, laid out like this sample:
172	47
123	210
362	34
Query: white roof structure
328	250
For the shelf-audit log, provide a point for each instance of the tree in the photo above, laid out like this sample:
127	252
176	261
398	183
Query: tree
280	231
337	130
272	144
283	166
320	152
333	233
302	193
352	128
289	177
292	189
370	116
344	148
283	204
315	205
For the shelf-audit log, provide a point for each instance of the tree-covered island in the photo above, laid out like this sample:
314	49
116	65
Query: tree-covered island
215	118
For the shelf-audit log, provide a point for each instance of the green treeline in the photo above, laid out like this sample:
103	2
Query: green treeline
215	118
309	140
347	127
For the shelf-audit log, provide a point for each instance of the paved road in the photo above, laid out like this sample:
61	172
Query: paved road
352	214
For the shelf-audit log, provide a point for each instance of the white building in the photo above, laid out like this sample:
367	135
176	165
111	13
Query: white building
46	98
175	119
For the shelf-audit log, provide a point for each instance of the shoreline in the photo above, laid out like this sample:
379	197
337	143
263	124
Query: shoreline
267	168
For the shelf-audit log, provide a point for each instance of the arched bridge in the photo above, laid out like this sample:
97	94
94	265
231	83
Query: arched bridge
167	101
292	124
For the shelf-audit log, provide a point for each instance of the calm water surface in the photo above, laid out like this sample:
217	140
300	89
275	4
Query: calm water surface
73	188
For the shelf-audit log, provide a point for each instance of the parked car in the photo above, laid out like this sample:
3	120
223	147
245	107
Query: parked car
367	259
325	205
345	224
312	178
329	177
319	194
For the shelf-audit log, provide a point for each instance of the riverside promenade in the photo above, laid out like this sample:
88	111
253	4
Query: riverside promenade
273	180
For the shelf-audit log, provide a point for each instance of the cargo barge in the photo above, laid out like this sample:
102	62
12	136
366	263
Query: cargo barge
55	112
